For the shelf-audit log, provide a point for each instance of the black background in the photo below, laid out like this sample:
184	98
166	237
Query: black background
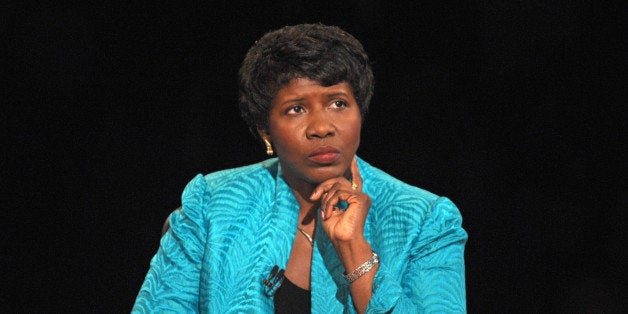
513	109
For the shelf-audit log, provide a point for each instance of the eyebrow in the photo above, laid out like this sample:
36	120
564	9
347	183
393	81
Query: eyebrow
330	96
292	100
337	94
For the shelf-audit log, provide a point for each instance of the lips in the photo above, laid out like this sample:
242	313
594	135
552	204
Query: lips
324	155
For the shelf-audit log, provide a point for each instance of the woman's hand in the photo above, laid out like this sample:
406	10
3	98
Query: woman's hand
343	226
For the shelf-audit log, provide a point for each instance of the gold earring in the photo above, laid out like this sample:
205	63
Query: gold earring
269	148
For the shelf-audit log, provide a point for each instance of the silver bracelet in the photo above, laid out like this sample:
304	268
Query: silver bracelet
362	269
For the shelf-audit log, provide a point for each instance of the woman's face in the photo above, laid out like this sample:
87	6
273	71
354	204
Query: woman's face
314	130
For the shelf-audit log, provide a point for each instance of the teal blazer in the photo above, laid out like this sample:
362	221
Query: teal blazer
236	224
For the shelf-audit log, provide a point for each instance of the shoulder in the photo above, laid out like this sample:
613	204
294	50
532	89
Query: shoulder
255	174
399	208
241	183
383	187
393	196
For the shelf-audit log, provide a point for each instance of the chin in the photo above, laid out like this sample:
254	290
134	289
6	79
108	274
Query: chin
319	175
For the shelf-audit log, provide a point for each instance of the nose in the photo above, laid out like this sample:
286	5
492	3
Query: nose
320	125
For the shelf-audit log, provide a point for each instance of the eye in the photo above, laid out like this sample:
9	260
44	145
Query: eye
339	104
296	109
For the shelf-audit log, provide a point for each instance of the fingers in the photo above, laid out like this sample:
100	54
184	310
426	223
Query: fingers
331	192
321	189
324	187
330	199
334	190
356	178
356	200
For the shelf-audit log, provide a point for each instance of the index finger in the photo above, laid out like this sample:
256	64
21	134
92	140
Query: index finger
356	178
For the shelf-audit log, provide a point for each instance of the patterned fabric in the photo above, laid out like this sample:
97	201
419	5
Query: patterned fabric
236	224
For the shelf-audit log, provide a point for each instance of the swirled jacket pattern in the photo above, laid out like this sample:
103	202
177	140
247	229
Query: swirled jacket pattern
236	224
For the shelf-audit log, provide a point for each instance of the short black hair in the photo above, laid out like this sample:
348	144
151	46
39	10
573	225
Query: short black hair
326	54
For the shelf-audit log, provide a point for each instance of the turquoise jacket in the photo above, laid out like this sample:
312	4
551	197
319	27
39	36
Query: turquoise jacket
236	224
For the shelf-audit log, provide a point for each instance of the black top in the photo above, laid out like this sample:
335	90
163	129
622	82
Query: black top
291	299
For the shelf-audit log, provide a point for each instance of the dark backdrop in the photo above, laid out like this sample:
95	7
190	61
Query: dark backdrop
511	109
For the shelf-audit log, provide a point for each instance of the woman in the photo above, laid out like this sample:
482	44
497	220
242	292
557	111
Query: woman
315	228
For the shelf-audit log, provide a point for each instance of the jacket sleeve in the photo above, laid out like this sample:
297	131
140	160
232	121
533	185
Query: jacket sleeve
433	280
172	282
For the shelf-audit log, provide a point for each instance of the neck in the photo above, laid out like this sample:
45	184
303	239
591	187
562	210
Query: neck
307	208
302	191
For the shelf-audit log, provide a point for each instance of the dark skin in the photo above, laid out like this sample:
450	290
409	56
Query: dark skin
315	131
